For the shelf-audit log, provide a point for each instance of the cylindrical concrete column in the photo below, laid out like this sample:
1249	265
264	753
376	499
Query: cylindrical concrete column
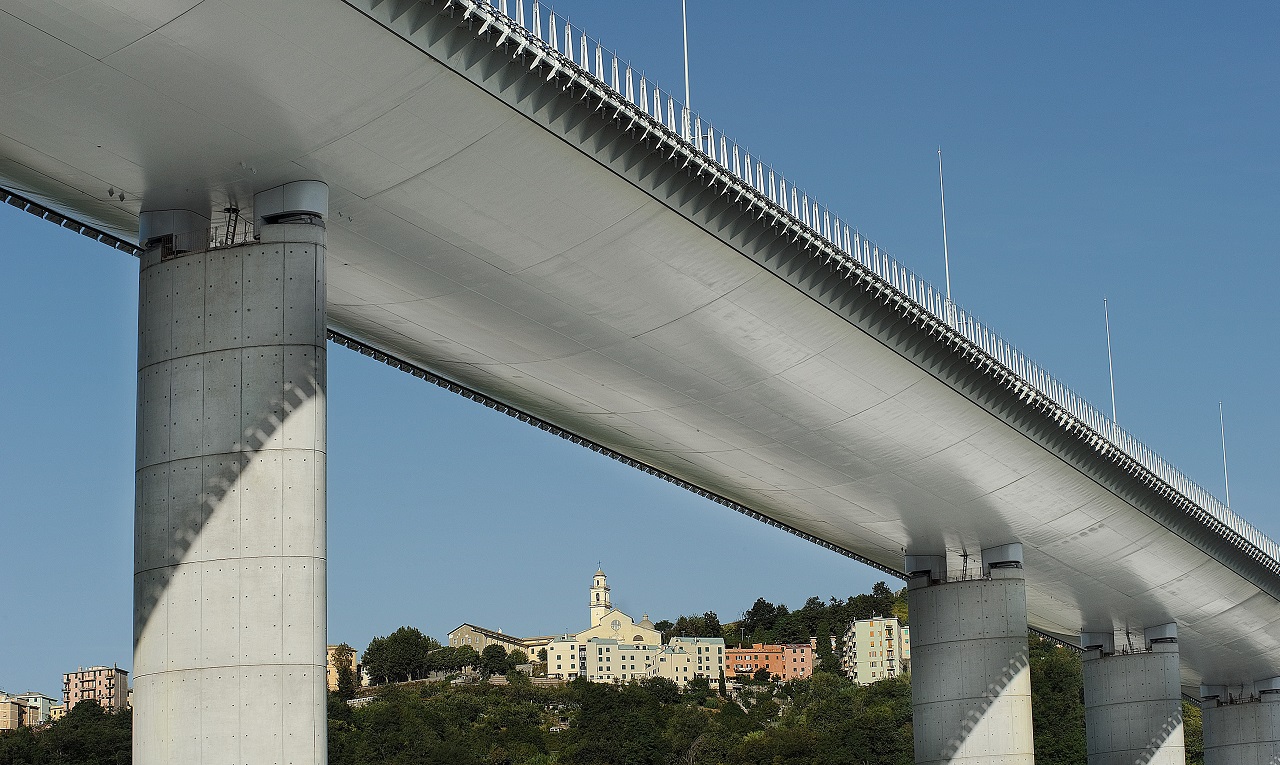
1133	703
970	674
229	553
1242	728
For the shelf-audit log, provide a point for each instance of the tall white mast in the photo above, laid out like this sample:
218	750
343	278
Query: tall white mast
946	256
684	19
1111	370
1226	479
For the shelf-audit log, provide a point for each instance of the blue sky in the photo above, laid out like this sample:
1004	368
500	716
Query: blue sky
1091	150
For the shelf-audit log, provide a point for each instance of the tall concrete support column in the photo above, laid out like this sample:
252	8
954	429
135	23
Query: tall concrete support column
970	674
1241	728
229	548
1133	701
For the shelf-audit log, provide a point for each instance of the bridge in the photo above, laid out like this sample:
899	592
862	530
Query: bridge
483	196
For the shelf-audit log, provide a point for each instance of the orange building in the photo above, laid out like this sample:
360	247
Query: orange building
783	662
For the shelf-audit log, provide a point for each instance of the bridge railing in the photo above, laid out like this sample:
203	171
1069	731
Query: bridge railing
556	38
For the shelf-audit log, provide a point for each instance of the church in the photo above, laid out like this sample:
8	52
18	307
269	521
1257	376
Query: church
616	648
610	623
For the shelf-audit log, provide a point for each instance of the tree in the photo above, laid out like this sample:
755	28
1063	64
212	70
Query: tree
762	675
706	625
518	657
663	689
341	659
542	655
827	660
88	734
400	656
494	660
1057	706
665	628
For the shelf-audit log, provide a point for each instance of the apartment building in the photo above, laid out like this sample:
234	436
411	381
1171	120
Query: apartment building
606	660
782	661
109	686
13	713
876	649
39	707
687	658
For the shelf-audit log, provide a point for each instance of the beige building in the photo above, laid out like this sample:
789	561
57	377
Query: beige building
617	648
39	707
109	686
606	623
333	665
13	713
876	649
25	709
606	660
687	658
480	638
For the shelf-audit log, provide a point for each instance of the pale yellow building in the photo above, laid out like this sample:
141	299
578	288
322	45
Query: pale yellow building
480	638
617	648
333	664
609	661
609	623
688	658
876	649
606	623
12	713
606	660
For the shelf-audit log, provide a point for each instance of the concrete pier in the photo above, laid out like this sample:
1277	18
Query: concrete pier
1242	724
970	677
1133	700
229	599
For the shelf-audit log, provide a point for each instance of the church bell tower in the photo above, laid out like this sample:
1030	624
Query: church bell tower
600	605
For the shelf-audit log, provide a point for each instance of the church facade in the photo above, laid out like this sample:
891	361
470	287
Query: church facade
616	648
609	623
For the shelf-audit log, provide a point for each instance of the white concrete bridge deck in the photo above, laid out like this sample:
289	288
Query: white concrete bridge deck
506	220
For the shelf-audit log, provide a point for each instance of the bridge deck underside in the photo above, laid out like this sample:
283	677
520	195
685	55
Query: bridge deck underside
475	241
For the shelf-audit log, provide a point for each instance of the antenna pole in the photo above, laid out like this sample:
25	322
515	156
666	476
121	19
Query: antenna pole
1111	370
1226	479
946	256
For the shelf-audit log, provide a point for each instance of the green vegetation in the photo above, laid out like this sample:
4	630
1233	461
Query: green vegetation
823	720
765	622
88	735
402	655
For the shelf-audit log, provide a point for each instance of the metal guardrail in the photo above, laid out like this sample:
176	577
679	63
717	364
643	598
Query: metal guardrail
217	236
566	48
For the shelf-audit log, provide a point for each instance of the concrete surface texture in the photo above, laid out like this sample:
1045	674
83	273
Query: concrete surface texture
229	622
1242	734
1133	707
970	677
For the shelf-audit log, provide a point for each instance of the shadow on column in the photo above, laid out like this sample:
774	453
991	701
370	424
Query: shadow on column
970	667
182	536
